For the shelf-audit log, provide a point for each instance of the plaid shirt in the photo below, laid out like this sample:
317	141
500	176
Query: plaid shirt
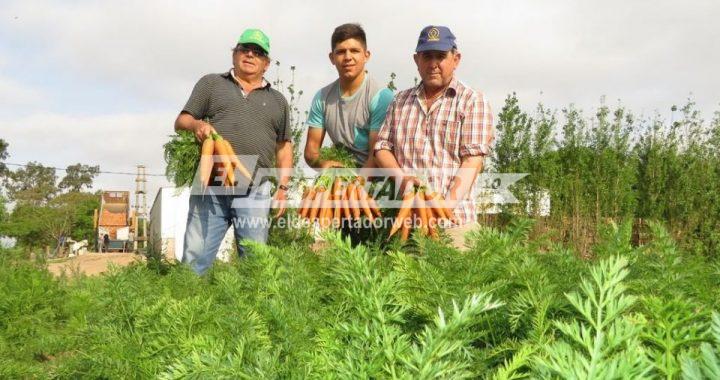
458	124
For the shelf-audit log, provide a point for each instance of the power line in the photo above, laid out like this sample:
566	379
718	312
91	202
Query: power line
99	172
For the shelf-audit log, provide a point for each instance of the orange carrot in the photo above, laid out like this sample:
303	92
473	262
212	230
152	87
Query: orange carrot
337	202
405	210
221	150
315	207
230	174
432	222
206	161
354	204
405	230
307	202
432	201
337	206
448	212
346	203
374	206
325	209
364	204
236	161
422	211
336	194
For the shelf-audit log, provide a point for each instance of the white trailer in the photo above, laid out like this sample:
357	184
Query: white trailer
168	219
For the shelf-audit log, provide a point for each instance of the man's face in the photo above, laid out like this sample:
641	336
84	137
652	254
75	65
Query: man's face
436	68
250	60
349	58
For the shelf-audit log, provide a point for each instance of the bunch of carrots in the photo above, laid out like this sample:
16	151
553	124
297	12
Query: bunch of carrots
215	145
422	209
334	198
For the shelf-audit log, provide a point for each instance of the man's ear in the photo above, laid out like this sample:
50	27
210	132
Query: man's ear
415	58
330	57
267	64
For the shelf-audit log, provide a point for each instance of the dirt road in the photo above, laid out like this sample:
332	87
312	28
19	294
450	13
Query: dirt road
92	264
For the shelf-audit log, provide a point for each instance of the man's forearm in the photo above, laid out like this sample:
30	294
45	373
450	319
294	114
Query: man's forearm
464	179
386	160
371	162
284	162
185	122
312	158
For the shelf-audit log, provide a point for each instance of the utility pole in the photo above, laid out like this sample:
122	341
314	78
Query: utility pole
140	217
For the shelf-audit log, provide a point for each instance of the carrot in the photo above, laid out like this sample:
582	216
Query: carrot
422	211
448	212
315	207
346	203
432	222
306	191
206	161
405	230
230	173
354	204
336	195
307	202
221	151
336	206
364	204
336	202
374	206
236	161
325	209
433	204
405	210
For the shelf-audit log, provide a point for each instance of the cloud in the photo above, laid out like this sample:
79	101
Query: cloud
572	52
102	82
15	94
115	142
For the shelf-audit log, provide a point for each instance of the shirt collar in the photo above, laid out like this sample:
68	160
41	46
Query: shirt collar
231	75
451	89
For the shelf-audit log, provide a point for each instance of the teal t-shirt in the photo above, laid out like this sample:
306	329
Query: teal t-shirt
349	120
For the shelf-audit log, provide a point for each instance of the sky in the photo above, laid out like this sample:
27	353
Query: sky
101	82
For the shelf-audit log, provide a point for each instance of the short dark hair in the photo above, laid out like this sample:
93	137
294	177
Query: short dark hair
346	32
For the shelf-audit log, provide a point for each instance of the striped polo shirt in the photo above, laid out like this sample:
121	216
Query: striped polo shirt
253	123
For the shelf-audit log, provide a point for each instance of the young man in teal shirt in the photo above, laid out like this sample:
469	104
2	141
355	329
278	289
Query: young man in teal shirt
352	108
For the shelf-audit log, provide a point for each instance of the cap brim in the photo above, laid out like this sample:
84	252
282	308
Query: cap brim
436	46
256	43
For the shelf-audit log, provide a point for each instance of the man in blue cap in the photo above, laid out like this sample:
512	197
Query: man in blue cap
242	107
441	125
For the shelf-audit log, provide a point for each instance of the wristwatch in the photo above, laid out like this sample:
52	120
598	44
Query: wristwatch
283	187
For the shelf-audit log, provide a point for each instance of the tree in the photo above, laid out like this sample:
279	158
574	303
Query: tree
3	155
67	215
33	184
26	225
80	207
3	210
78	176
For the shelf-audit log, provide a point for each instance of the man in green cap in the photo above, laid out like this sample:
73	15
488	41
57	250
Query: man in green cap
241	106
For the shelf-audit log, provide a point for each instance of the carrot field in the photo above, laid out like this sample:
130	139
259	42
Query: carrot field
508	307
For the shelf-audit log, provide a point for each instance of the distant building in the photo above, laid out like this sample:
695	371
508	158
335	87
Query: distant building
113	219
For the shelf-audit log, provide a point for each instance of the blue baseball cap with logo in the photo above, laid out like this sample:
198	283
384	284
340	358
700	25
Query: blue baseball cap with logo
436	38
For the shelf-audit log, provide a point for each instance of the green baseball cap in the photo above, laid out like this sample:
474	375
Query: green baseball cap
257	37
